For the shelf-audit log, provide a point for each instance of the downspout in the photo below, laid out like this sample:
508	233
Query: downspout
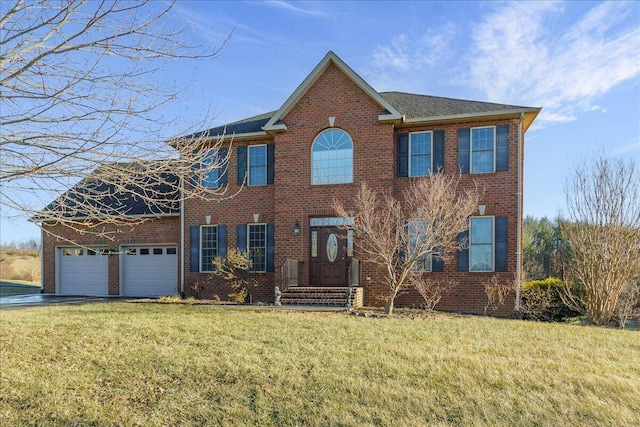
517	312
182	235
41	259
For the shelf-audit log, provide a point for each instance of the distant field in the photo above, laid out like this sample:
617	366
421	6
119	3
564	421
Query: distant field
20	264
162	365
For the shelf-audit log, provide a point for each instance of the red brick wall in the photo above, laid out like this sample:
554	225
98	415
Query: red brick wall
293	199
165	231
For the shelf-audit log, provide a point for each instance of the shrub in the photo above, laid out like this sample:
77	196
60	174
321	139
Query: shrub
497	294
235	268
542	300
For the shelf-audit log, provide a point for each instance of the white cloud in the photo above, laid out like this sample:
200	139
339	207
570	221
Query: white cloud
526	53
394	56
405	52
294	8
519	59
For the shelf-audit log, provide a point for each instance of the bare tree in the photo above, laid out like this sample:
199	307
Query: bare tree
602	234
400	236
82	90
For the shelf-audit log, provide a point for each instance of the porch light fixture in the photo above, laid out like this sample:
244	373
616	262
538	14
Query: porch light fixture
481	209
256	217
296	228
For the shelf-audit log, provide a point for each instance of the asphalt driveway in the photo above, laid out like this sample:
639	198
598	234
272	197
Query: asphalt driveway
34	300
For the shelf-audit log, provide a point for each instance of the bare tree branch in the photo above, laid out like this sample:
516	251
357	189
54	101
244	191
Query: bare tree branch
399	235
82	90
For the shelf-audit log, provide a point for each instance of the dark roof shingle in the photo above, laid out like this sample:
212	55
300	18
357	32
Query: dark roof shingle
100	195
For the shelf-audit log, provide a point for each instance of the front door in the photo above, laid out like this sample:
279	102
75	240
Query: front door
328	257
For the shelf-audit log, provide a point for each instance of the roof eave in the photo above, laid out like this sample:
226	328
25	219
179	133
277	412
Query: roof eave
530	113
99	218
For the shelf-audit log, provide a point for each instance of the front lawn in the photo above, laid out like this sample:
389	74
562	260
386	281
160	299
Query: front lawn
152	364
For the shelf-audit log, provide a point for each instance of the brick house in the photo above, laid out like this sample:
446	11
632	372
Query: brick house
332	133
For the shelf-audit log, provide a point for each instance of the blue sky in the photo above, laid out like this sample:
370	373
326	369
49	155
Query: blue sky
579	61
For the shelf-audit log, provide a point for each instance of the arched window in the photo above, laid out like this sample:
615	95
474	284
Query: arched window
332	158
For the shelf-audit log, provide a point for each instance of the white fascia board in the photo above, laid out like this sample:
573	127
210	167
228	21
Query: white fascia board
488	114
330	57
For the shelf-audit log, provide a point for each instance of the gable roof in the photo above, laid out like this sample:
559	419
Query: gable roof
400	107
147	194
389	112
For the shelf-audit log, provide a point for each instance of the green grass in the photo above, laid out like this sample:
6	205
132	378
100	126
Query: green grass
152	364
28	288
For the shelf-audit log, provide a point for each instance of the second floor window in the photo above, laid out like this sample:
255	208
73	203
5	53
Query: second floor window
332	158
482	149
210	179
257	165
420	154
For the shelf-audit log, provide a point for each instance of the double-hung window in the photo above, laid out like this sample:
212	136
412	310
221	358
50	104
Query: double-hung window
257	165
420	153
481	244
208	247
257	246
417	228
210	178
483	143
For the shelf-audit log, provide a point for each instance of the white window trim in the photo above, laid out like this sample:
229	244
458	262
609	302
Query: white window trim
266	239
266	166
493	244
200	269
471	148
430	150
428	256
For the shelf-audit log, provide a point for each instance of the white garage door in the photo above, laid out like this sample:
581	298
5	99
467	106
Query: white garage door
83	271
150	271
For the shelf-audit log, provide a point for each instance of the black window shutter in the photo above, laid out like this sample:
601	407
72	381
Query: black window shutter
193	179
438	151
242	164
194	249
501	243
271	160
270	248
222	241
464	149
241	237
224	166
437	263
403	154
502	148
463	255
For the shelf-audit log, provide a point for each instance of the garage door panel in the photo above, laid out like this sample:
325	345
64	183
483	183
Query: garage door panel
83	272
150	271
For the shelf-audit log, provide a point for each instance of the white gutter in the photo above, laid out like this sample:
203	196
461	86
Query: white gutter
487	114
182	235
519	223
